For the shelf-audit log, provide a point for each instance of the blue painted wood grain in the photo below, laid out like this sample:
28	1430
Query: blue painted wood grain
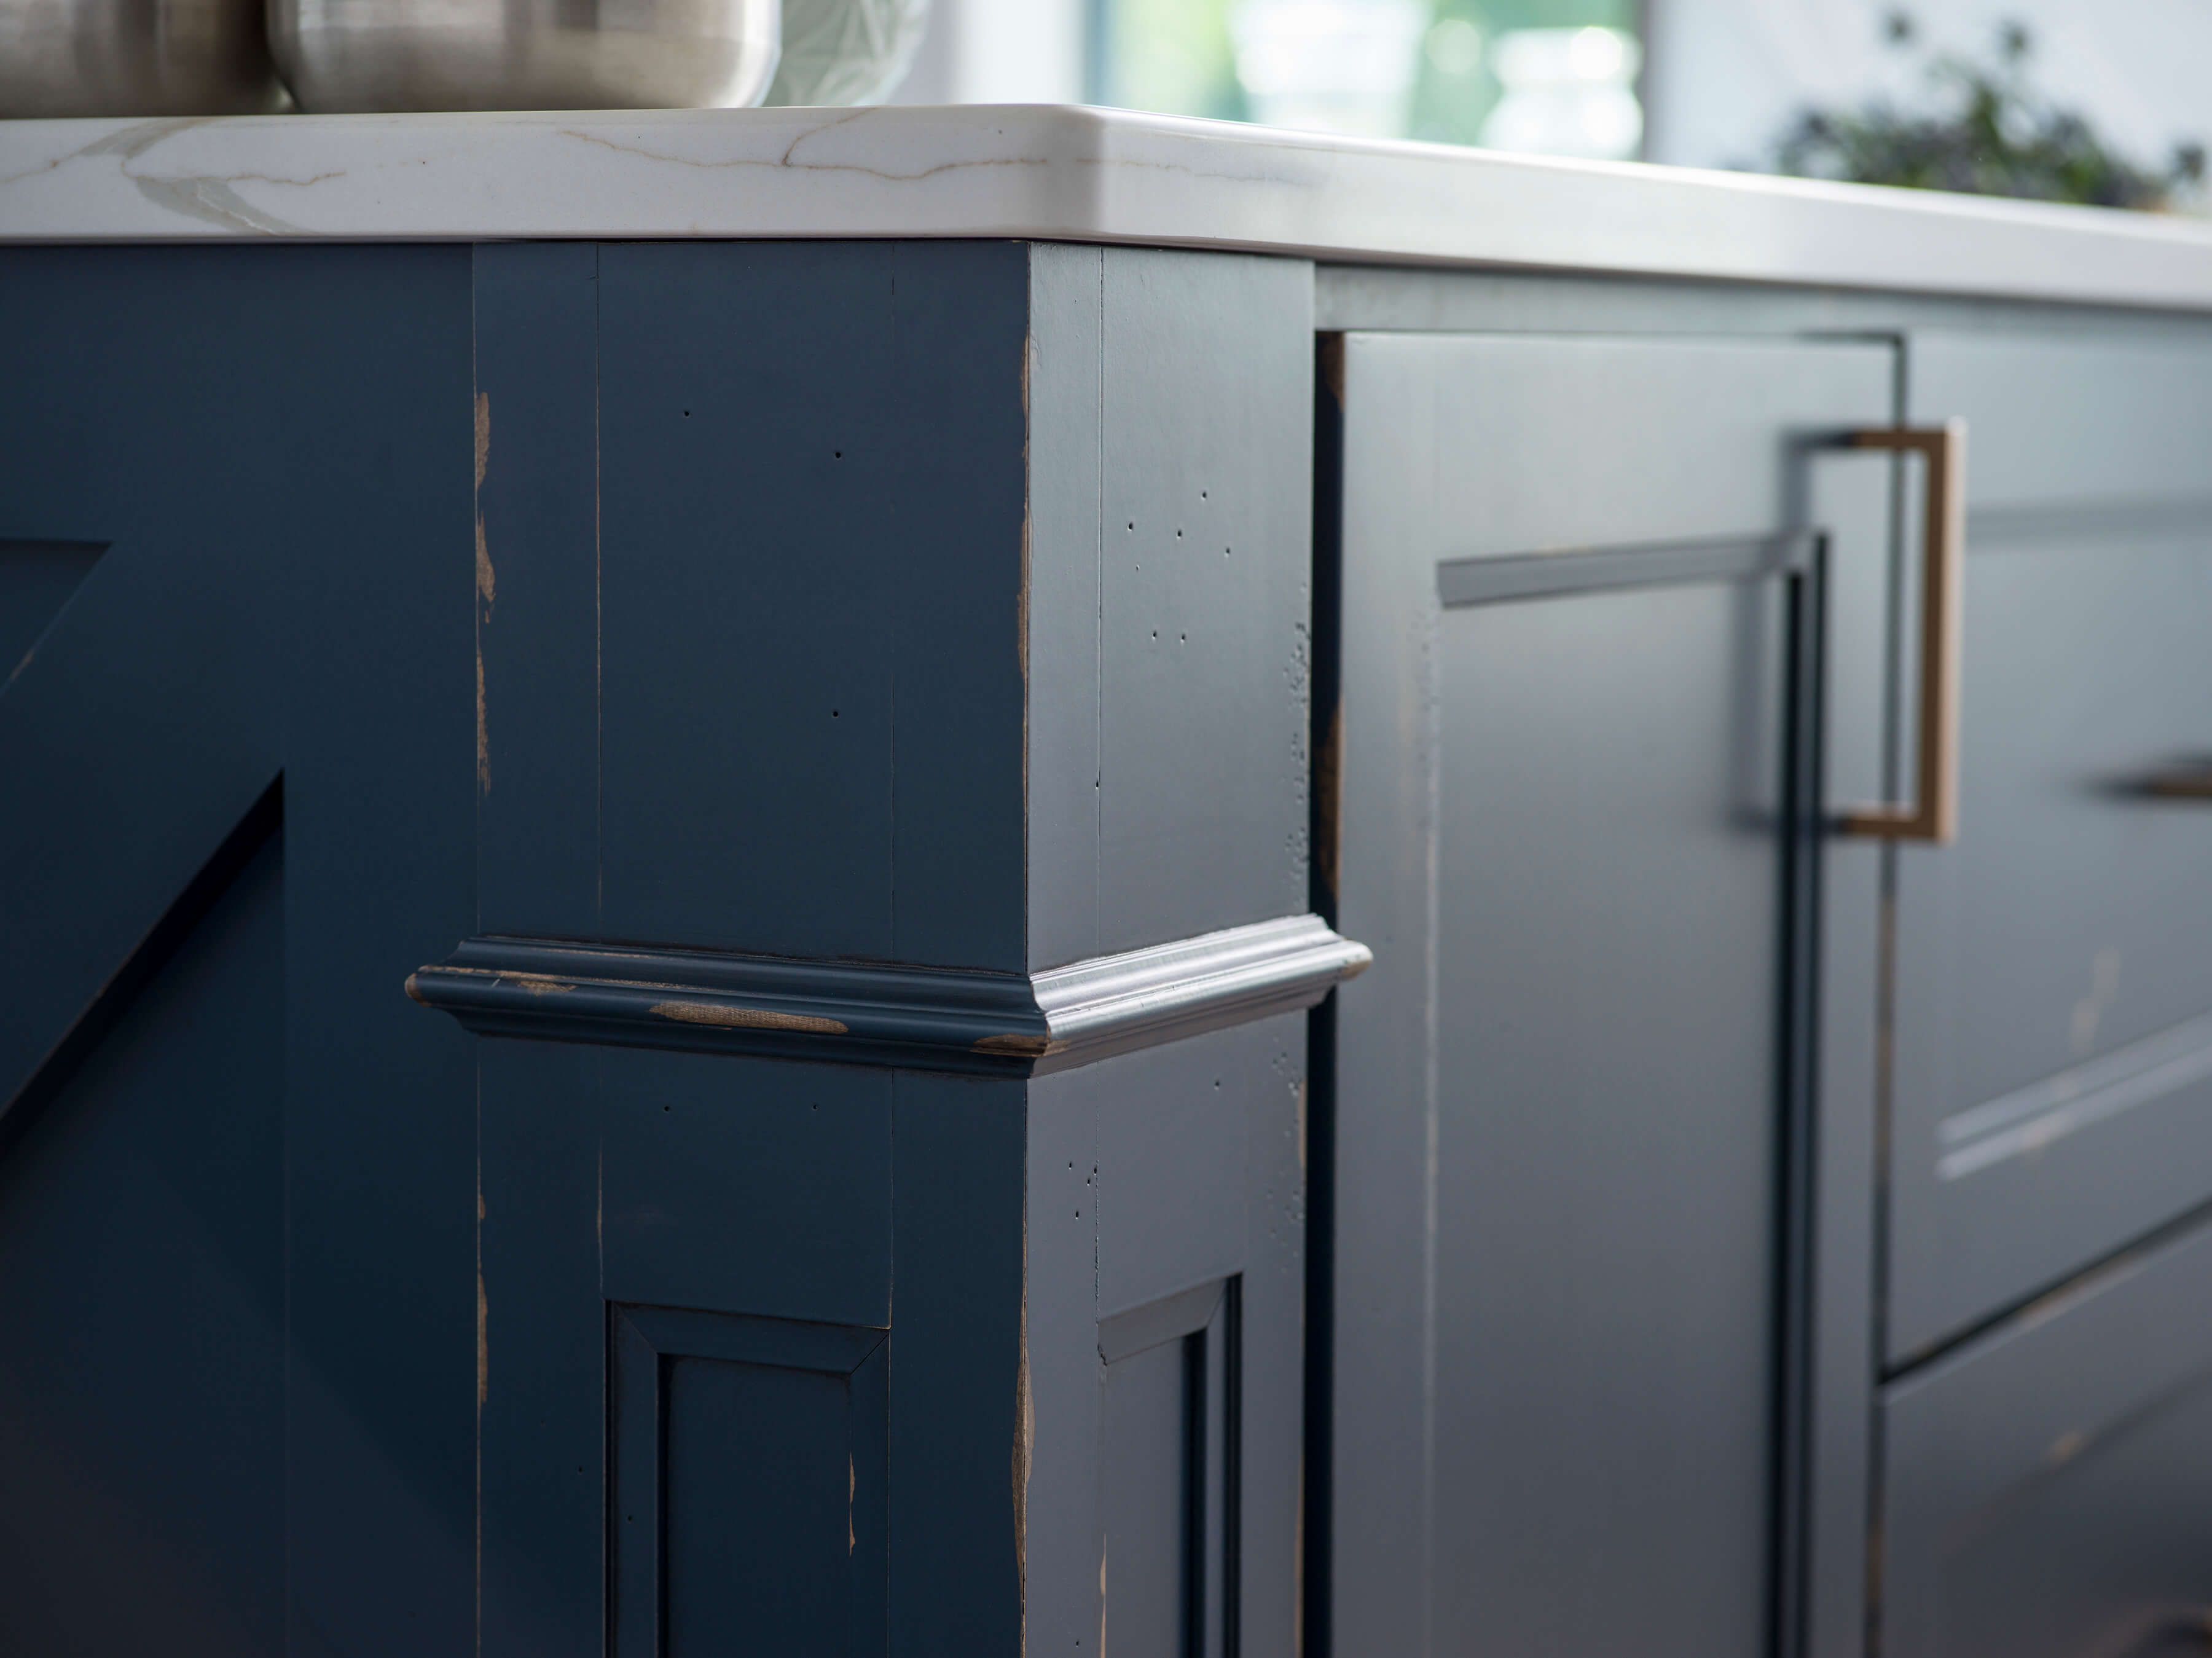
141	1427
810	523
273	445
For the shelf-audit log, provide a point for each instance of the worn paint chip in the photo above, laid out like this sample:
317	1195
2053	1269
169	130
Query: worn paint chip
747	1018
538	984
487	581
1022	1046
484	587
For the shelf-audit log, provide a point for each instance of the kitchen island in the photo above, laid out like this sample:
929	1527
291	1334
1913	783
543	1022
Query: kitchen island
1029	880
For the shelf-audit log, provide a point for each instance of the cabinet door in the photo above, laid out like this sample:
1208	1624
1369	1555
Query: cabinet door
1582	634
236	797
2054	1005
2044	1494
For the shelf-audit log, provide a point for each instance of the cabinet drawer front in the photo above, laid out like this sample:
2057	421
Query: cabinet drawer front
2079	422
2053	1090
2045	1489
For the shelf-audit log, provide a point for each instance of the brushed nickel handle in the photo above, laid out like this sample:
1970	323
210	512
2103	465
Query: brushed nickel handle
1933	815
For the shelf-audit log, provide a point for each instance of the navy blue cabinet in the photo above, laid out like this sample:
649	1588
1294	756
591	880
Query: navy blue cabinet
672	914
828	724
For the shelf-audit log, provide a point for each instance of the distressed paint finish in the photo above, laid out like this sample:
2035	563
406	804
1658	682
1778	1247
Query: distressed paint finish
777	629
993	1024
1167	797
763	605
1171	416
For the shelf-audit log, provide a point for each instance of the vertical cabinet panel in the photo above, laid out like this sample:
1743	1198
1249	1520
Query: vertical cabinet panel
1164	1345
1206	406
1608	1135
813	558
809	536
1172	1432
747	1485
1579	1132
713	1466
537	432
1165	604
1147	1575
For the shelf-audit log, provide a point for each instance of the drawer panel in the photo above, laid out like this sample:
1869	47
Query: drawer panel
2053	1082
2072	422
2045	1489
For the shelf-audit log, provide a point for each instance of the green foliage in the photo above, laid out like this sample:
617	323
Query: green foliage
1995	138
1450	99
1173	56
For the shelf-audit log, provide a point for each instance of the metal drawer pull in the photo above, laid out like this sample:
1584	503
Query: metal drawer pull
1933	817
2191	780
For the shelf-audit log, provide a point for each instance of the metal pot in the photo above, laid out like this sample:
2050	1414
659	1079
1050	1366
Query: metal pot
135	57
369	55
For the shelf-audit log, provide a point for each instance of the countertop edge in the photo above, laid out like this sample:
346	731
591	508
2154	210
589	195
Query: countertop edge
1055	173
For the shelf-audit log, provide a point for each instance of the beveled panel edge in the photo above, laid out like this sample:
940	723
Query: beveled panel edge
1153	1323
2029	1119
916	1018
1494	578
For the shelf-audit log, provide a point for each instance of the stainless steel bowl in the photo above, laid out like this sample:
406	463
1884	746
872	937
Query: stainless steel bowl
135	57
369	55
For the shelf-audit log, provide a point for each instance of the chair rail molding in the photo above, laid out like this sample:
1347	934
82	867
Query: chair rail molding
867	1013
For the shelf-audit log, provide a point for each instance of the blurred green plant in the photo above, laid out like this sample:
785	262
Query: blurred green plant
1455	89
1997	138
1171	56
1174	56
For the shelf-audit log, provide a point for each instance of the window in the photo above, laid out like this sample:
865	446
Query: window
1547	77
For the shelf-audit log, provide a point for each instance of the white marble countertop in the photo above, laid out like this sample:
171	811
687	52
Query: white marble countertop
1054	173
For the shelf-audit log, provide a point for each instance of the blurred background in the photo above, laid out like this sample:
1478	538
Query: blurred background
1726	83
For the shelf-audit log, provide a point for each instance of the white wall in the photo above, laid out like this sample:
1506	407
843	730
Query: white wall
1725	76
998	51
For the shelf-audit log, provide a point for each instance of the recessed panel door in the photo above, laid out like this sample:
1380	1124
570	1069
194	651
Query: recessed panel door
1605	606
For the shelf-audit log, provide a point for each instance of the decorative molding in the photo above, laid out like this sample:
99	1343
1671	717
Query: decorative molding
929	1018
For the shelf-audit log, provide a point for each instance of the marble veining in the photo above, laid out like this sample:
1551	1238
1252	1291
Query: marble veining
1053	174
